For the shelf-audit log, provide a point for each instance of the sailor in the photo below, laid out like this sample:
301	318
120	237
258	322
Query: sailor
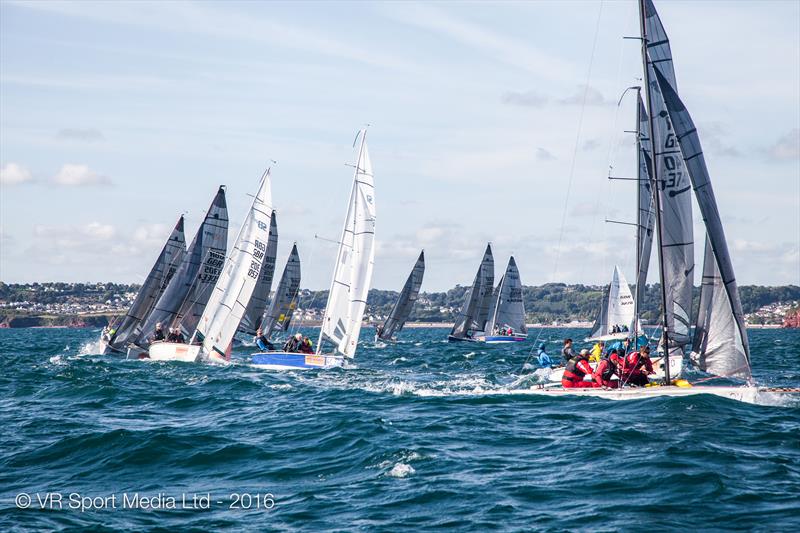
306	346
510	331
179	336
606	369
597	351
263	342
173	335
293	344
636	367
158	335
544	360
577	368
567	352
379	330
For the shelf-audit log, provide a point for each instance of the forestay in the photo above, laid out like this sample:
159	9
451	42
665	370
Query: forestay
508	308
153	287
347	299
284	302
241	274
726	347
408	296
677	244
252	318
466	320
213	230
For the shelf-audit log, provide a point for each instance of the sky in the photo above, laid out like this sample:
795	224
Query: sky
117	117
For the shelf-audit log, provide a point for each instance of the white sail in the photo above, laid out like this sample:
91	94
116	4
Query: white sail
616	308
508	308
352	276
234	288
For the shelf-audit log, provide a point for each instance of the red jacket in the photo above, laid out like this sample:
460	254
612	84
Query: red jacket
634	362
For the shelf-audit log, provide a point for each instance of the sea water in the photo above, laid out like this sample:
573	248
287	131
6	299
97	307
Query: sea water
420	435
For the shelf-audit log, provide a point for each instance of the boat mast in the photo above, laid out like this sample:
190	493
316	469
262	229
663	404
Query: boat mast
657	196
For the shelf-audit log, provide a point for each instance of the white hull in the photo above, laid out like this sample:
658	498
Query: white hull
675	369
185	353
742	394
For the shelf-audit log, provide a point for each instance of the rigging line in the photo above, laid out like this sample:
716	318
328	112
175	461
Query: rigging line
572	165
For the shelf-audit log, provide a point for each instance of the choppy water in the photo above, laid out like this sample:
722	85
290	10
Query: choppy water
417	437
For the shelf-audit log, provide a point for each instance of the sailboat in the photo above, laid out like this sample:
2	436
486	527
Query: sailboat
405	302
253	315
115	339
471	320
721	344
191	285
352	276
283	304
507	314
230	296
616	311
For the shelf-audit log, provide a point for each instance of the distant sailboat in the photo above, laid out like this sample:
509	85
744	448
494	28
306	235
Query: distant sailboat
129	327
284	302
192	283
347	298
232	291
507	314
405	302
616	313
471	320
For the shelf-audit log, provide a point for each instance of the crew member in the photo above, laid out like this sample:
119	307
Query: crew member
544	360
158	334
637	366
293	344
567	352
597	351
173	335
606	369
306	346
262	342
577	368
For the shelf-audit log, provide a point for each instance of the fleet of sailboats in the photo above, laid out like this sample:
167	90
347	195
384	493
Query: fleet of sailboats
205	295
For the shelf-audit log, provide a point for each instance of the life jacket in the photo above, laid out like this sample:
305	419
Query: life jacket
572	372
609	370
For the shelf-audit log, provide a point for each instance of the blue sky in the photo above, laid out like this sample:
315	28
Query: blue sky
116	117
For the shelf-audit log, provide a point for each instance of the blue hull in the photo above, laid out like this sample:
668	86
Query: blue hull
450	338
294	361
501	338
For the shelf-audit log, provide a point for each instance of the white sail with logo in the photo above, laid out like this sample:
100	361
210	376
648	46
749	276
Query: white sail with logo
352	276
240	275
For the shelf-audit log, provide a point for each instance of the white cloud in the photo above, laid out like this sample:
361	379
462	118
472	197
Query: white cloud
524	98
787	147
72	175
544	155
86	135
14	174
592	97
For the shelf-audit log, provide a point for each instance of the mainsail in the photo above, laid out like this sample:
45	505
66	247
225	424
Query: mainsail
616	309
677	239
168	260
178	289
241	274
347	299
252	318
726	347
645	204
471	317
284	302
508	308
402	307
